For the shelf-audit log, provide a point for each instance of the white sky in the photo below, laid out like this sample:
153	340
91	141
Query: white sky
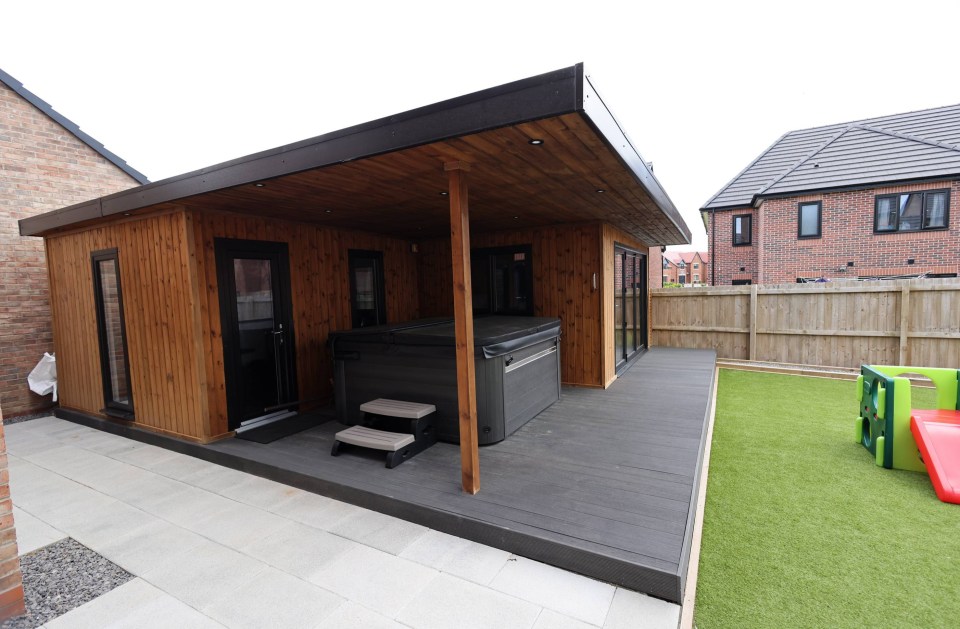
701	89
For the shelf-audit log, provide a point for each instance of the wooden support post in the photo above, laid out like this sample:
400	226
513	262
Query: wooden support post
904	323
463	321
753	322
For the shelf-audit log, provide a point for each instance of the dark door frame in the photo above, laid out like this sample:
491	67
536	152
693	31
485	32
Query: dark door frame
111	406
226	250
640	303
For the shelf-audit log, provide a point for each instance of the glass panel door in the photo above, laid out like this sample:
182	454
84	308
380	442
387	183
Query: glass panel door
255	316
114	362
618	309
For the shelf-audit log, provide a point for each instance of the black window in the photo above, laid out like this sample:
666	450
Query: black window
741	282
742	230
911	211
682	279
810	219
502	280
112	333
367	294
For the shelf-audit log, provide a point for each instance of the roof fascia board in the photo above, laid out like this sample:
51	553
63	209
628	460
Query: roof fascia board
599	116
71	127
850	188
78	213
551	94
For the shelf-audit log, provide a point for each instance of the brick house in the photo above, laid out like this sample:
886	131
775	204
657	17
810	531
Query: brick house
46	162
685	267
857	200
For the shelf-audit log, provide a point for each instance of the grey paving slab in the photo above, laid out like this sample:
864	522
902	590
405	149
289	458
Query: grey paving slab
375	579
298	549
387	533
550	619
350	615
631	610
434	548
453	602
570	594
33	533
147	548
207	572
113	520
477	563
134	605
143	455
237	525
261	493
277	599
315	510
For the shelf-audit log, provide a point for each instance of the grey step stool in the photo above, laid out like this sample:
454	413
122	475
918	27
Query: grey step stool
399	446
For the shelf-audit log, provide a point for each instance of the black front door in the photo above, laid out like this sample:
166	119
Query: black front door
257	327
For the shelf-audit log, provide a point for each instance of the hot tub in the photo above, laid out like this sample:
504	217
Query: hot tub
517	363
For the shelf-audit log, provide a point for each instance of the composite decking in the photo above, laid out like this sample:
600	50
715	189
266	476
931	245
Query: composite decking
602	483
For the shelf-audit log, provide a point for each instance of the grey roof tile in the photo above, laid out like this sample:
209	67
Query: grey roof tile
911	145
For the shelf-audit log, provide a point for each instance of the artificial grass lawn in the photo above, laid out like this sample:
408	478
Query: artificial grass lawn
802	529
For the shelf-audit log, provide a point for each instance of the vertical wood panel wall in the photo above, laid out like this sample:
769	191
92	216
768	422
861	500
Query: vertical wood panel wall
160	308
909	322
320	285
565	257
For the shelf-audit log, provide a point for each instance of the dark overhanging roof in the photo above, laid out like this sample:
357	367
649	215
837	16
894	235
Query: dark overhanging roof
70	126
552	94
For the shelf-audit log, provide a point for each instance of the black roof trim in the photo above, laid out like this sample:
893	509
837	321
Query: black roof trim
544	96
70	126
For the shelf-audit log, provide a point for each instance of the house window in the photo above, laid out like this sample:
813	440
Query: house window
502	280
742	230
112	335
696	278
741	282
666	279
367	294
696	265
683	279
912	211
809	221
666	263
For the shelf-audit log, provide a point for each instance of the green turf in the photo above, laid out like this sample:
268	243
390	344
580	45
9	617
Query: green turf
802	529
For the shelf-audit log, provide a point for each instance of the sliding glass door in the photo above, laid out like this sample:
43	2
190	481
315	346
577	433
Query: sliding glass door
629	304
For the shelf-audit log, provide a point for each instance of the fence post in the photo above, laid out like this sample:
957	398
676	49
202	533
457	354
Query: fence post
753	322
904	322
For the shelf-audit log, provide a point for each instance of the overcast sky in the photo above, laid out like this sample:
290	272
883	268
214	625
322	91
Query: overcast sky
700	89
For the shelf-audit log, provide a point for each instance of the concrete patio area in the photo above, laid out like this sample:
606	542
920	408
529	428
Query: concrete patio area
210	546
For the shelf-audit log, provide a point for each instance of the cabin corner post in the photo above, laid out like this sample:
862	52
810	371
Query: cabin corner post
463	321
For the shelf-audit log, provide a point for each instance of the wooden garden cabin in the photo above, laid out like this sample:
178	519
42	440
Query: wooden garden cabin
354	227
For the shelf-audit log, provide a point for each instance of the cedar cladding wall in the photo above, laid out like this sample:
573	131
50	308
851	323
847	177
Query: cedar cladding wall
159	288
42	167
320	286
565	257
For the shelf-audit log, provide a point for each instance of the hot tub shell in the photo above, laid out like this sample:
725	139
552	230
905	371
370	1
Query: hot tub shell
516	360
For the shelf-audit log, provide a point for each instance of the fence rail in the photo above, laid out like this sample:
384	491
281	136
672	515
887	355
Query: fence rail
842	324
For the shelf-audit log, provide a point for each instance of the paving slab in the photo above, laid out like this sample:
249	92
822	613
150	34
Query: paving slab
453	602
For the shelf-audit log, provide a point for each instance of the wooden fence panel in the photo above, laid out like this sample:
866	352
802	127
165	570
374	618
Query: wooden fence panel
842	324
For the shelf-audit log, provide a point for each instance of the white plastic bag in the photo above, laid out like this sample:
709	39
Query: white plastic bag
43	378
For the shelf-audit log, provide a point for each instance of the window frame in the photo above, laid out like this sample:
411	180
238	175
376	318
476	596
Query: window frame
923	211
819	232
356	258
111	406
749	231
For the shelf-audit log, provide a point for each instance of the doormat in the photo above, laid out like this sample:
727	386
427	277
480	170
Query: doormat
61	577
280	429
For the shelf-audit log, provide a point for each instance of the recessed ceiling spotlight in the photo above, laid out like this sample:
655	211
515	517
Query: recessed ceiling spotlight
126	213
515	217
328	211
444	193
535	141
260	185
600	190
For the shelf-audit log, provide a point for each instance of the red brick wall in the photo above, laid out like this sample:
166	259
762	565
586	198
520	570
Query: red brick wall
11	583
847	236
727	258
42	168
654	268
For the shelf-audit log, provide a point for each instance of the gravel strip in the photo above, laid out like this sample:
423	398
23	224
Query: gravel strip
60	577
26	418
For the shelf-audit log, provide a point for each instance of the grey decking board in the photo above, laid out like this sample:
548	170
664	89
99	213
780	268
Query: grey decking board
577	487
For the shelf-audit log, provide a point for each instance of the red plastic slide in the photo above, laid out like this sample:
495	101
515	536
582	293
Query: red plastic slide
937	434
